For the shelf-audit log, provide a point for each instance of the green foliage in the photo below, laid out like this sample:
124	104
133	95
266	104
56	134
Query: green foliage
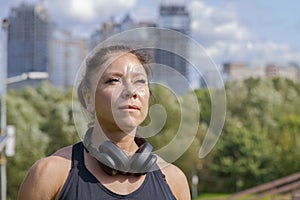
244	153
169	103
43	120
204	104
261	137
64	132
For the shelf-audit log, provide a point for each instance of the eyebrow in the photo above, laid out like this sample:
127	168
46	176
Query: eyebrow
118	74
113	74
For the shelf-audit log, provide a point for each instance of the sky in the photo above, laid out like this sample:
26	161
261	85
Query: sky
253	31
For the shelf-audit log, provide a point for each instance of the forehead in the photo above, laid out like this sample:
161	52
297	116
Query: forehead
126	63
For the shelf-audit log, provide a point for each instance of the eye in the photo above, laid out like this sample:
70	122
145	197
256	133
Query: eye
142	81
112	80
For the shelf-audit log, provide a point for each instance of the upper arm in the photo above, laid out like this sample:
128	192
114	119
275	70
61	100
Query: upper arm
44	179
177	182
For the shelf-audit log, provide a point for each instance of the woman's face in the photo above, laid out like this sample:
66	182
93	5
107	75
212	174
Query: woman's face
122	94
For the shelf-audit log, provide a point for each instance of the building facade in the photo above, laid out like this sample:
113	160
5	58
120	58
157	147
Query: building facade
29	32
241	71
174	17
111	28
28	39
172	51
66	55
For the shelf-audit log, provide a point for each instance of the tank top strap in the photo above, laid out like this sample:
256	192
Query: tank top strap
158	172
77	155
157	184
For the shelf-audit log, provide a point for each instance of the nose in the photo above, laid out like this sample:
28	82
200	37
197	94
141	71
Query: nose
129	92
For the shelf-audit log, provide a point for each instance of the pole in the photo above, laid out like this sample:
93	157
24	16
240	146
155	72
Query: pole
195	181
4	75
3	177
3	106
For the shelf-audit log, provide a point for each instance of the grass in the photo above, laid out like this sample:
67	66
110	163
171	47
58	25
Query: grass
223	196
212	196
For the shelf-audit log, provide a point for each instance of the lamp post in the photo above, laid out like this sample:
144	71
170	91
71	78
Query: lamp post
7	132
3	108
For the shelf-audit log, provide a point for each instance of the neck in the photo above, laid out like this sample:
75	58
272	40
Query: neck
125	140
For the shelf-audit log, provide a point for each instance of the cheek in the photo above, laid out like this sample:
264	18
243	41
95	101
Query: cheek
144	95
102	101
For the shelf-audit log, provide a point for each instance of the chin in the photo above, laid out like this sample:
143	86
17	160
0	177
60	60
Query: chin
128	126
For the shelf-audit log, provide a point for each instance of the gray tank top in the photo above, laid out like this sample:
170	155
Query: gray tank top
81	184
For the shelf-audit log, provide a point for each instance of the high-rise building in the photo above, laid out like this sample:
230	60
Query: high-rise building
111	28
174	17
172	49
66	55
28	39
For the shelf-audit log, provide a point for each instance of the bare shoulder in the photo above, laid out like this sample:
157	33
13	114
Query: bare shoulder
65	152
176	180
47	176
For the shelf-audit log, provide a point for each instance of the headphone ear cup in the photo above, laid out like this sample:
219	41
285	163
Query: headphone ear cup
87	139
150	163
106	163
143	160
114	154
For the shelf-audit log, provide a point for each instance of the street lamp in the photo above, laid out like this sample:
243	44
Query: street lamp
7	132
26	76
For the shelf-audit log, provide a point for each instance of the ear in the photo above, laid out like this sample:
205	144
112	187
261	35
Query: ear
89	100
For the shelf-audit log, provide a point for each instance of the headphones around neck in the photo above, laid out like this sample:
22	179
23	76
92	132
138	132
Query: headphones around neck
114	160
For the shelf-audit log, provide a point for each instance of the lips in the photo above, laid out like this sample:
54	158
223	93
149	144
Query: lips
130	107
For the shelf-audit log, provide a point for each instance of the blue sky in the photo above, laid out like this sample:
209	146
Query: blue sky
273	20
259	31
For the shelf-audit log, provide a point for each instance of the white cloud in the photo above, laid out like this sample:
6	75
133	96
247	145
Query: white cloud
232	31
81	17
226	38
214	23
82	10
260	52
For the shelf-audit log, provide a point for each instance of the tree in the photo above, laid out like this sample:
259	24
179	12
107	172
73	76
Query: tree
30	141
30	110
60	127
244	155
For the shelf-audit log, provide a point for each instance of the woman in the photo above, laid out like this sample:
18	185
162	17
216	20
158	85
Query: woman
115	91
